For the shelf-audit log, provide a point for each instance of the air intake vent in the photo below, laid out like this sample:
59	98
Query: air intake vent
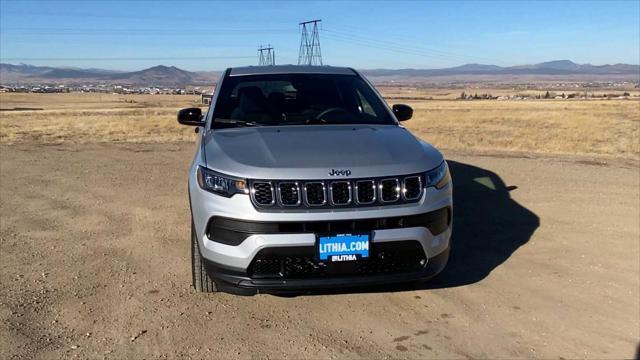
267	268
315	193
289	193
263	193
412	187
389	190
340	193
365	192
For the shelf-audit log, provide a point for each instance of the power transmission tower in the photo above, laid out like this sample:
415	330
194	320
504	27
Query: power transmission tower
310	44
267	55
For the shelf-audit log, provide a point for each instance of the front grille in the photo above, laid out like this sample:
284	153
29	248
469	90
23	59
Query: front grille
340	193
389	190
344	193
301	262
365	192
315	193
289	193
262	193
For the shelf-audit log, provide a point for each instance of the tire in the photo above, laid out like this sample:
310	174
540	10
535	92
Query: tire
199	276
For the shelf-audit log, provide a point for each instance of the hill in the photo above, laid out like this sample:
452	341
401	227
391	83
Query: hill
155	76
10	73
165	75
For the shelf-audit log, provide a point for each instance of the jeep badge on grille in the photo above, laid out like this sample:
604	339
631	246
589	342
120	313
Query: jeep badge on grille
345	172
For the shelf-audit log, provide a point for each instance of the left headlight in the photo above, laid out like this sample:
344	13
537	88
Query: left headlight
220	184
438	177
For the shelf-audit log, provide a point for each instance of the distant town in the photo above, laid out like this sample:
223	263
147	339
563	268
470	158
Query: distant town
557	91
105	89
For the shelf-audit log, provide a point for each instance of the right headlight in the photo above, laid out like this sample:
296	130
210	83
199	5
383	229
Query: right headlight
438	177
220	184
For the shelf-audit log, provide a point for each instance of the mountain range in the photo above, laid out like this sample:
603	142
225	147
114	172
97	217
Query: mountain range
557	67
172	76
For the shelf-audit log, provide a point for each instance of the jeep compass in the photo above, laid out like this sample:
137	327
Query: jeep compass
303	178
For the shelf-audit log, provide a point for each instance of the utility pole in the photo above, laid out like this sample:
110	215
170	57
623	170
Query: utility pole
310	53
266	55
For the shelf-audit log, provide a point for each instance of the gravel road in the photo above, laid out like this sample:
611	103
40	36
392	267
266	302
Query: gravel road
94	261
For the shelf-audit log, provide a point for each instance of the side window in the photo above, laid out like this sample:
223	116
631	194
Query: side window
365	107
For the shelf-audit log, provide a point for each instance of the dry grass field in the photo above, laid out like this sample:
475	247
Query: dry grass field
595	128
88	118
608	128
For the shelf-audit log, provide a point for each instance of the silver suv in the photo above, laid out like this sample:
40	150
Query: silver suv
303	178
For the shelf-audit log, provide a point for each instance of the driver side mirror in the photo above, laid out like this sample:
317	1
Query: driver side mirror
402	112
191	117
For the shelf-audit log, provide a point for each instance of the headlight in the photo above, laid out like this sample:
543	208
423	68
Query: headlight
221	184
438	177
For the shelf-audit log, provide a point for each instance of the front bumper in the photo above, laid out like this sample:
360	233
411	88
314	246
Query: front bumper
230	263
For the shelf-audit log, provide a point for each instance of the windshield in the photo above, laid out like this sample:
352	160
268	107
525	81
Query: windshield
297	99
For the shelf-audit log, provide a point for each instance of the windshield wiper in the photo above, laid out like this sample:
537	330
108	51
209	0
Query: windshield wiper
319	122
236	122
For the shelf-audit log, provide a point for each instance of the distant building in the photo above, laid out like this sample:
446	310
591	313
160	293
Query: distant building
206	98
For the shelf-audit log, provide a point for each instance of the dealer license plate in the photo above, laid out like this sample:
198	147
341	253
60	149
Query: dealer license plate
343	247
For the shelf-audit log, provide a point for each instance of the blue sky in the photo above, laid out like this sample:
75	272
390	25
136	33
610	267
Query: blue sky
418	34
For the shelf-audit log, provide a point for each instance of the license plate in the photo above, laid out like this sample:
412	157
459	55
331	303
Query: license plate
343	247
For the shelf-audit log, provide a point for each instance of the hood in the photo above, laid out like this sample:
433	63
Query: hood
311	152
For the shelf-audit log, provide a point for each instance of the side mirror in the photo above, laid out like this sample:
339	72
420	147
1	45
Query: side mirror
191	117
402	112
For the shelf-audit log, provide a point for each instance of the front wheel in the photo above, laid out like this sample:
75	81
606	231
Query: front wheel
200	278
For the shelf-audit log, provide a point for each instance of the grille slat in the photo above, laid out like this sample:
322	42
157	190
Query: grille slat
412	187
389	190
315	193
262	193
289	193
340	192
365	192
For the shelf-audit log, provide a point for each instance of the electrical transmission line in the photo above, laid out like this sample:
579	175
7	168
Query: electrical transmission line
310	53
267	55
122	58
396	46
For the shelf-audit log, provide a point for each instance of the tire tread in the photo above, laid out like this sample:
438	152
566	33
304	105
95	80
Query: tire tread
201	280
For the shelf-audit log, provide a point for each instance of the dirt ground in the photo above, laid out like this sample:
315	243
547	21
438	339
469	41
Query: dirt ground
94	262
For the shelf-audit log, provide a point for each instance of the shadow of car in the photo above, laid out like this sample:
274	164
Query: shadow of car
488	227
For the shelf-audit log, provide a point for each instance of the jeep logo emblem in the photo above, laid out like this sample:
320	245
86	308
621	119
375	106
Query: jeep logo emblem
335	172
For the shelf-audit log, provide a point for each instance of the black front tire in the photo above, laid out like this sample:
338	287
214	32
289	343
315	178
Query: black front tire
200	278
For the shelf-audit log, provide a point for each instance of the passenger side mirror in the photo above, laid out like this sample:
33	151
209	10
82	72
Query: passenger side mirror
191	117
402	112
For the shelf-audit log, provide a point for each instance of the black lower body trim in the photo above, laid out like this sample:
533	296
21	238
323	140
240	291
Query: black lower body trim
240	283
301	262
234	231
